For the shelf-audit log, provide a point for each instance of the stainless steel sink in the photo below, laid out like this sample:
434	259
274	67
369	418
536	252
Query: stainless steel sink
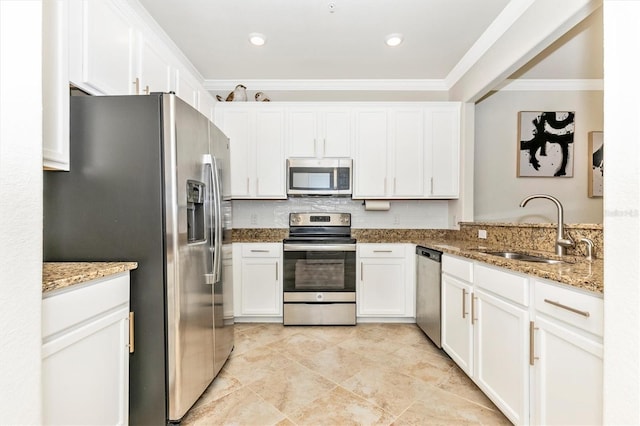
523	256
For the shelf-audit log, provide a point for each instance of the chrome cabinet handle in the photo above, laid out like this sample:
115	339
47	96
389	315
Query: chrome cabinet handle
568	308
464	303
361	271
276	270
259	251
383	251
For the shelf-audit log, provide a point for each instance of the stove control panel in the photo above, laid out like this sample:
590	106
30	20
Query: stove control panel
319	219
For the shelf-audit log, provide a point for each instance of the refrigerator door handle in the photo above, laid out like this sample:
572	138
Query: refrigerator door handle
217	216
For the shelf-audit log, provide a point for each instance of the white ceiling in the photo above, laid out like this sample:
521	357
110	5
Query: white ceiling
344	39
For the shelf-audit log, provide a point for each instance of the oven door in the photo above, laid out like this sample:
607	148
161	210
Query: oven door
319	268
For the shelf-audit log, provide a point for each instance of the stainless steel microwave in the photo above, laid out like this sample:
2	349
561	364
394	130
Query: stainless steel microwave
319	176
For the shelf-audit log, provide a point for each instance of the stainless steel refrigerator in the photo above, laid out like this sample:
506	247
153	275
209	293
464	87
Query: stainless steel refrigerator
149	182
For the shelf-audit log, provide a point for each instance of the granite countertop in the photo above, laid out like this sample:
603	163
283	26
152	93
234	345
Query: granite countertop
57	275
575	271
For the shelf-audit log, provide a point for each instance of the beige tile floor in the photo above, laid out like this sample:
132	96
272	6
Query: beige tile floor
370	374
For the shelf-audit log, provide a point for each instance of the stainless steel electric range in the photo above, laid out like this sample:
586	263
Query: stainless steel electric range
319	270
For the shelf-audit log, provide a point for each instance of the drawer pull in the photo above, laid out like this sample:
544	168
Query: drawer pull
259	251
383	251
568	308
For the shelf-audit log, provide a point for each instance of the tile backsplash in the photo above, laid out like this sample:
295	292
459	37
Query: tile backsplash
403	214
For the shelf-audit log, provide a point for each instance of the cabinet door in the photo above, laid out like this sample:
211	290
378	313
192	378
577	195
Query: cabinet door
269	155
187	88
408	153
370	163
55	85
85	373
236	125
501	353
303	133
107	48
381	287
457	331
261	292
568	376
336	135
154	68
443	140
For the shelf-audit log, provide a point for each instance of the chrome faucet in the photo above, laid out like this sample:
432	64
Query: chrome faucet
562	242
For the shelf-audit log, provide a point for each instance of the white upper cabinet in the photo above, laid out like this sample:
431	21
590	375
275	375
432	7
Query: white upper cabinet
406	177
55	85
187	88
407	151
370	162
256	137
102	46
442	146
318	132
154	68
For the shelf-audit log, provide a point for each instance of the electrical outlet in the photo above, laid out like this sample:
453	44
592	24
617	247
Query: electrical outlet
482	234
254	219
396	220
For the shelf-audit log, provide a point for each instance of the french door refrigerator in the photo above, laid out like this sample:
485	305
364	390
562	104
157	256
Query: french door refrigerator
149	183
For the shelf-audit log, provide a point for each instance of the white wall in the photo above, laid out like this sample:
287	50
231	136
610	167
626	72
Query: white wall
622	214
498	191
424	214
20	211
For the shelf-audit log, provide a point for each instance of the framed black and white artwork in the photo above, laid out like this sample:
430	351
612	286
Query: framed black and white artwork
545	143
596	163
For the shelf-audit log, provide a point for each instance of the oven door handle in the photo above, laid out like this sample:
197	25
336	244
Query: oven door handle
319	247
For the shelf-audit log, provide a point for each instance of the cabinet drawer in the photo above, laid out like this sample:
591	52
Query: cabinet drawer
381	250
505	284
262	250
73	305
579	309
458	268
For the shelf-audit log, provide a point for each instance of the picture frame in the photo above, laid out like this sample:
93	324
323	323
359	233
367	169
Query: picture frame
595	161
545	143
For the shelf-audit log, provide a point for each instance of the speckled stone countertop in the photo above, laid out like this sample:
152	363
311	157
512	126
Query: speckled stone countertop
576	271
57	275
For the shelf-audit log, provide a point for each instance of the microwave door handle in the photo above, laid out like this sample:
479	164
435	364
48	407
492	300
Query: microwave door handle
335	178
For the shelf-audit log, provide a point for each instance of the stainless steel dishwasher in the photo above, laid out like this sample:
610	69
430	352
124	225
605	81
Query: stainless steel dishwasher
428	265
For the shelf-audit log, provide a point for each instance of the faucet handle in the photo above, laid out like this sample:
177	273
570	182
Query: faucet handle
590	248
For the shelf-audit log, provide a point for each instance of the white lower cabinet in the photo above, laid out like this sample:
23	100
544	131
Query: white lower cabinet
257	280
85	353
457	331
567	357
534	347
385	281
501	331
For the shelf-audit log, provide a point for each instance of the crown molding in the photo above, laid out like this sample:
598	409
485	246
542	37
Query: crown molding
344	84
530	84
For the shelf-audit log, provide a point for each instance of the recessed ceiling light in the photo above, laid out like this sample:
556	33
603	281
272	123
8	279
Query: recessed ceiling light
393	40
257	39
